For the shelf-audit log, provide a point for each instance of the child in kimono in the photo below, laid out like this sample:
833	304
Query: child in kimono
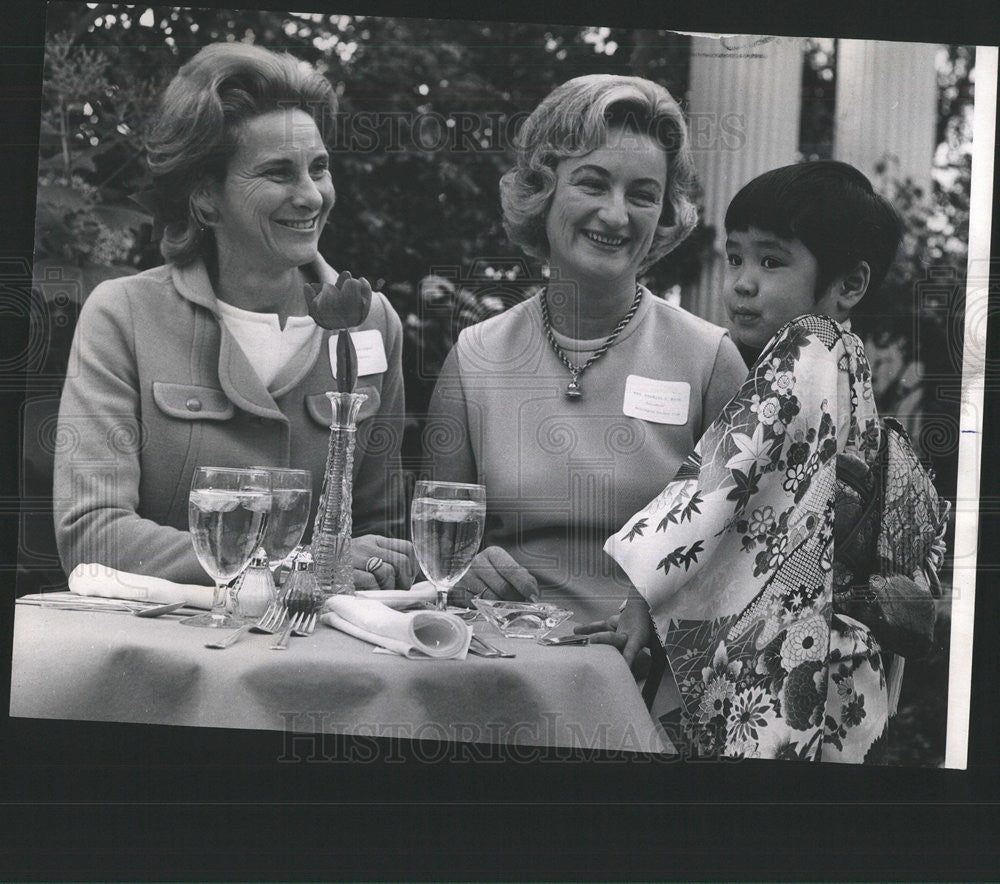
741	566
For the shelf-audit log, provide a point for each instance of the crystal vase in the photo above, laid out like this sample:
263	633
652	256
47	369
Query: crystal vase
331	540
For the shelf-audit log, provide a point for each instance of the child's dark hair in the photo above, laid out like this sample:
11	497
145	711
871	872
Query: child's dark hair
831	208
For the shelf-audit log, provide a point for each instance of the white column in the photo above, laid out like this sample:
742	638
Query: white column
744	109
886	105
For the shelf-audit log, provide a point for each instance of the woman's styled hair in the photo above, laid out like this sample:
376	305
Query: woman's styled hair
575	119
195	133
831	208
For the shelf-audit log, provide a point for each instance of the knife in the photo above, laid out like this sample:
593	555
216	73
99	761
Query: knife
566	640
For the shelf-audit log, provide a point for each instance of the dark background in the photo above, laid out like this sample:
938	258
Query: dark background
81	800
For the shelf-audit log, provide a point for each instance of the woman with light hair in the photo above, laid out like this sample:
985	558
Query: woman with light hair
583	400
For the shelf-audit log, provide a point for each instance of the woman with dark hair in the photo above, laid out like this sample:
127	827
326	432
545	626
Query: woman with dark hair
212	358
580	402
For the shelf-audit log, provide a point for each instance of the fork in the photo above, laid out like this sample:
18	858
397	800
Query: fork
294	624
270	621
273	619
307	626
302	599
263	625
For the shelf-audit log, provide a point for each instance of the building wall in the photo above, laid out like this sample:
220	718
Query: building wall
745	105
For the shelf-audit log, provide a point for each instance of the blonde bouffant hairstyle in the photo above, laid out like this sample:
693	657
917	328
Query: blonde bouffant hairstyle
578	117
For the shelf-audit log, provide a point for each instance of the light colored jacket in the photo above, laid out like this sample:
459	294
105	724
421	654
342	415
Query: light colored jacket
157	386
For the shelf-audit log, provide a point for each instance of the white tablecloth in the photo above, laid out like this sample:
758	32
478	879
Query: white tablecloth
95	666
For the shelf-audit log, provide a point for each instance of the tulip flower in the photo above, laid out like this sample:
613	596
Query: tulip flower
341	306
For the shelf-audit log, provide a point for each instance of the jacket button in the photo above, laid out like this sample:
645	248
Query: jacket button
193	404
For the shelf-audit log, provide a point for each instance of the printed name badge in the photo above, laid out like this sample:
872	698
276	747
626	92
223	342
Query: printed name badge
661	402
371	352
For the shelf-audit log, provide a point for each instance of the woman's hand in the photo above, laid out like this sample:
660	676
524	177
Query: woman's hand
630	631
495	575
382	562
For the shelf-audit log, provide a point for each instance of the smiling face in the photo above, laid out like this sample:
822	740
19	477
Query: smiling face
605	208
770	281
277	193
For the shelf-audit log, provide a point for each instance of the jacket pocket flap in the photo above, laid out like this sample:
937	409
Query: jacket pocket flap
190	402
320	410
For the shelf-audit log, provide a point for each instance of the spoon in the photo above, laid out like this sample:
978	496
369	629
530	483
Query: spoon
159	610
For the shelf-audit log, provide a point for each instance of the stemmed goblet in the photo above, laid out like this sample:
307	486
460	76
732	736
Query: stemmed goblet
291	497
446	524
227	513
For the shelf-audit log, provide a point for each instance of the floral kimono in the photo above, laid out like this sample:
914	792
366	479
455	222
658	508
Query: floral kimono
736	559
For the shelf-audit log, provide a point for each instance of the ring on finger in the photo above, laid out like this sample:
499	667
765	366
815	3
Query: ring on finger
476	592
373	564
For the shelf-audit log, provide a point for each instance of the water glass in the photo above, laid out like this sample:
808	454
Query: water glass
446	525
227	513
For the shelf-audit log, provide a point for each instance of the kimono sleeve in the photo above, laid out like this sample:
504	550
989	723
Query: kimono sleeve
757	488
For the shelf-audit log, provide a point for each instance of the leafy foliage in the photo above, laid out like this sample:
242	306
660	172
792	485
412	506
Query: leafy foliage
429	110
428	113
88	138
818	95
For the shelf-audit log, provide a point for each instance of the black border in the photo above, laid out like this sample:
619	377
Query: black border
91	801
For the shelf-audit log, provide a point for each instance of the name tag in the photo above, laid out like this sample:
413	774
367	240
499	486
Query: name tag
661	402
371	352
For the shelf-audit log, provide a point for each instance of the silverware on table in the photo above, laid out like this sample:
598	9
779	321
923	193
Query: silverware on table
71	602
230	639
483	649
269	623
272	619
159	610
302	599
307	626
565	640
296	621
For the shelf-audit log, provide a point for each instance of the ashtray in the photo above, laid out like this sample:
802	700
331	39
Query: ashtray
522	619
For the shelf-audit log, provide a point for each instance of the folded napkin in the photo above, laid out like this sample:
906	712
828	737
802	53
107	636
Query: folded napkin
418	635
100	580
401	598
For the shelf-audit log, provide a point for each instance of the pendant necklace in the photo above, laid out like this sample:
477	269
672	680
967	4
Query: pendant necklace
573	389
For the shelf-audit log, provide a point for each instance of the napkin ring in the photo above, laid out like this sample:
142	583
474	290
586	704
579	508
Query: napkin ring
373	564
